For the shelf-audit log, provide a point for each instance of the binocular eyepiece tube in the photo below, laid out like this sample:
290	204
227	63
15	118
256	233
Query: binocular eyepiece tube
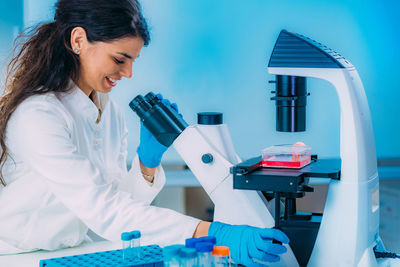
171	112
162	121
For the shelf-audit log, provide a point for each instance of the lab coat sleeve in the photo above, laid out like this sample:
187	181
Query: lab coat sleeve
132	181
142	189
44	141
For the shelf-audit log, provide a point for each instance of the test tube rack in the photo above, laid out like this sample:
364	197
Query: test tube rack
151	256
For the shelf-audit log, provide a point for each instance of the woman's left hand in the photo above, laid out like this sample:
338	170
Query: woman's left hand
150	151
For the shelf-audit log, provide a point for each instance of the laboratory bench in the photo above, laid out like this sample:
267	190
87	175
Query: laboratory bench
180	180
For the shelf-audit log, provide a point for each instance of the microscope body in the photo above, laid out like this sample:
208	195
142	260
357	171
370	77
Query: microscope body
348	231
350	223
349	227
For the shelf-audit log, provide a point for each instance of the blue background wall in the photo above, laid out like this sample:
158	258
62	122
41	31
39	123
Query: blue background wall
211	56
11	23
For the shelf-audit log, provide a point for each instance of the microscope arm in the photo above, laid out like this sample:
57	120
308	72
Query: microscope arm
350	225
212	169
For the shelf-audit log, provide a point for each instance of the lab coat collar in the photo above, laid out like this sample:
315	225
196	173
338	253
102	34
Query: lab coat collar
79	102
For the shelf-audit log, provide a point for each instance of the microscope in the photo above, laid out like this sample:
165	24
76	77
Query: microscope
347	231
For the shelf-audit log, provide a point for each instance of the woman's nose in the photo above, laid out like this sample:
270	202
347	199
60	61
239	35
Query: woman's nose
126	70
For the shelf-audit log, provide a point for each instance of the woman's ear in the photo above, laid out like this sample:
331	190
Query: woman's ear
78	40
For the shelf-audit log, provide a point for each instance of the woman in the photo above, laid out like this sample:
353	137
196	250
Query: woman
64	143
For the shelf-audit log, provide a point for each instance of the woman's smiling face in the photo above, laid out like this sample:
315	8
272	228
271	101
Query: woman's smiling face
103	64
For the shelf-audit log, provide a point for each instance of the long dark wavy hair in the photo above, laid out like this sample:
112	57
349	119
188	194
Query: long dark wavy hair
43	59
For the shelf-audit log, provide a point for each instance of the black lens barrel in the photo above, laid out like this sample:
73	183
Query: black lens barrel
291	101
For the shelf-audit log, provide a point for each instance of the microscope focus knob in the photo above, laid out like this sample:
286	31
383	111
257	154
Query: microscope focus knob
207	158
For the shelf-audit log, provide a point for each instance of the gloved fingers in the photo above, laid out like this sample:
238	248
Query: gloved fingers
166	102
270	258
144	133
270	233
267	245
264	257
146	137
175	106
257	249
159	96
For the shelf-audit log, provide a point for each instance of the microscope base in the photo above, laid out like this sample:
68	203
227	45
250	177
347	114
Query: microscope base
302	235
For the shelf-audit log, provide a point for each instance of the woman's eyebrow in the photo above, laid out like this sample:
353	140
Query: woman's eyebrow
125	55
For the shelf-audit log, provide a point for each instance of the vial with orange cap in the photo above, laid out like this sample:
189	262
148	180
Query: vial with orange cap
222	256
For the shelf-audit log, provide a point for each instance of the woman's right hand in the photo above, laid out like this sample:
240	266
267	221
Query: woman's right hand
247	242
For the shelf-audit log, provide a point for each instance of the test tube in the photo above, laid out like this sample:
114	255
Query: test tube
135	244
126	245
204	250
171	255
222	256
188	257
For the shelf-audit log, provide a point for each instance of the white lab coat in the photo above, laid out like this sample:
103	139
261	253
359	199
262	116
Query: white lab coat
68	173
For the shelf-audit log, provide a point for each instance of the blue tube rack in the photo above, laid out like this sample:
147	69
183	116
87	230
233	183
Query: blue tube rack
151	256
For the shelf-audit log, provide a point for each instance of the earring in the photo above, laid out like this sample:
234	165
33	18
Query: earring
76	50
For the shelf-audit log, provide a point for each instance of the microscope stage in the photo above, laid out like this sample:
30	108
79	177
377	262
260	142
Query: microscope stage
251	175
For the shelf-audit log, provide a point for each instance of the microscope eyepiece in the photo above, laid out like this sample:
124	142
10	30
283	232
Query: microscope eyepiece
151	98
162	121
172	113
139	105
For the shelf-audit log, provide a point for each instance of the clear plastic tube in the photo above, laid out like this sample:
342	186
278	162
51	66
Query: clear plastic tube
206	259
172	262
188	257
188	262
222	256
171	255
126	246
135	248
135	245
204	250
221	261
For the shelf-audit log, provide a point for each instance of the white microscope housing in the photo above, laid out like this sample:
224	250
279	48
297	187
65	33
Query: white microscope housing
348	232
350	223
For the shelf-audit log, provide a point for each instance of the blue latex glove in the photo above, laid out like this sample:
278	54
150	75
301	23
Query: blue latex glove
247	242
150	151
